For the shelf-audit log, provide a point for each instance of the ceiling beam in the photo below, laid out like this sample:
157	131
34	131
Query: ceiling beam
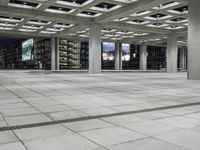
20	25
79	27
26	13
129	9
17	34
95	2
135	28
46	5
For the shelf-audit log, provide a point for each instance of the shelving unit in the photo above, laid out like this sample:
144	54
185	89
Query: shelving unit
156	59
69	52
42	54
84	55
11	55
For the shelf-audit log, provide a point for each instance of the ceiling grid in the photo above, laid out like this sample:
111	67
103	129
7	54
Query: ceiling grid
122	20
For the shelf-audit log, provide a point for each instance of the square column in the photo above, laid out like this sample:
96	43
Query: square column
95	49
57	58
194	40
54	54
172	52
183	58
118	56
143	57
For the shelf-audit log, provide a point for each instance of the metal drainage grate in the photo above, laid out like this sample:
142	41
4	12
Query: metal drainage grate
17	127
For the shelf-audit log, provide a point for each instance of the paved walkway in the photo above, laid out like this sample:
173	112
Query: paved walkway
34	97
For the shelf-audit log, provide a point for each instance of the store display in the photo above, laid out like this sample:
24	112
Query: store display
69	52
108	55
11	55
36	54
27	50
130	56
126	52
42	54
156	58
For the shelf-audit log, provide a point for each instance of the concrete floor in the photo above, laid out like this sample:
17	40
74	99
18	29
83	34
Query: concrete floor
35	97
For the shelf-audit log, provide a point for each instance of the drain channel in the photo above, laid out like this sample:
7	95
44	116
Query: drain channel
17	127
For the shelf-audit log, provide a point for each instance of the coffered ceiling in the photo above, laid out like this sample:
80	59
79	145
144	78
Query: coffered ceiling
121	20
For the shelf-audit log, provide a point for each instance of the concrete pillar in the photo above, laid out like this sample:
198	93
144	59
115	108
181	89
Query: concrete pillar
186	55
194	40
57	55
143	57
172	52
54	54
183	58
95	49
118	56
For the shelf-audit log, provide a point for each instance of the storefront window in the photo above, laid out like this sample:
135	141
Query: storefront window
108	55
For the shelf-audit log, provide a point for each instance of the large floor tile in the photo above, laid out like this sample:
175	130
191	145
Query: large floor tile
41	132
7	137
19	112
20	120
147	144
87	125
99	111
150	128
67	115
63	142
112	135
181	121
154	115
53	108
12	146
124	119
185	138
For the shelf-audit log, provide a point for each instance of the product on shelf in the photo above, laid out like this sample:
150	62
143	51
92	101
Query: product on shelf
69	54
42	54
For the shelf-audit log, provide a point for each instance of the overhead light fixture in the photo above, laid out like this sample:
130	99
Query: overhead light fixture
6	24
6	28
47	32
166	5
55	29
22	4
32	27
39	22
26	30
74	3
63	25
11	19
121	19
141	13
